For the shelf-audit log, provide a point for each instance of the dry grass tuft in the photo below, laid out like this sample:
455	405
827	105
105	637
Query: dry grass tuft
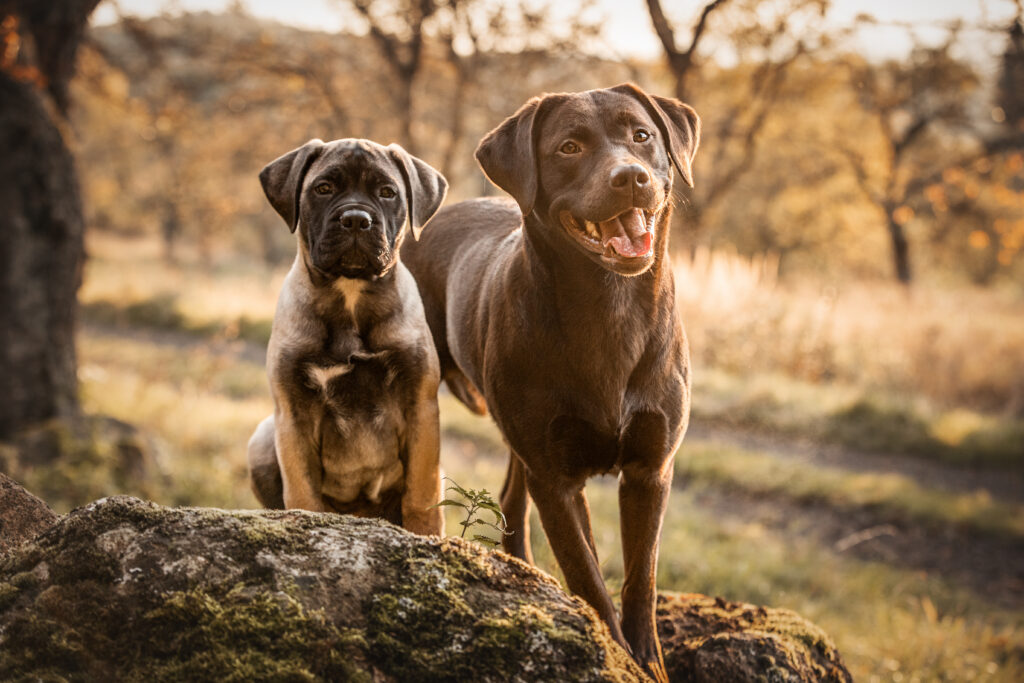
958	347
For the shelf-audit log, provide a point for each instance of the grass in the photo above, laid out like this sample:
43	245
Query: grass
201	406
128	284
893	497
164	313
957	347
123	270
890	623
857	418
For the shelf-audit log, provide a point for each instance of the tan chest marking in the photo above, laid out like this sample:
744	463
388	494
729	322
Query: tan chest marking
352	289
321	376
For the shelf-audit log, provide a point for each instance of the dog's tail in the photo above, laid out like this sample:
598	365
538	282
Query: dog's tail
464	390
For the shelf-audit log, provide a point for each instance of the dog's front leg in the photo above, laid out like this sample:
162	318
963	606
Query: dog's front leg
423	468
299	458
556	500
643	495
644	487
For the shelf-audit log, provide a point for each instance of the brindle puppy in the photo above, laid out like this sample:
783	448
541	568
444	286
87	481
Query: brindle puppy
352	368
558	315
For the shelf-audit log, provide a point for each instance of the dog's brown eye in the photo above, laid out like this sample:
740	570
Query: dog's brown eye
641	135
322	188
569	147
386	192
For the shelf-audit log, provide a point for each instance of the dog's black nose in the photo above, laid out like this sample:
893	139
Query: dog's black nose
356	219
629	175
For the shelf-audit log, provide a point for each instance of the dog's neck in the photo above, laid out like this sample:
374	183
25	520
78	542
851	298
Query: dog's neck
351	290
338	298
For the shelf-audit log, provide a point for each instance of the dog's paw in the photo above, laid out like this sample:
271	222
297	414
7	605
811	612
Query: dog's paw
655	669
424	523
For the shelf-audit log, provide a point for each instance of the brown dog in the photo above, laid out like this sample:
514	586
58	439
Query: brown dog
561	313
352	367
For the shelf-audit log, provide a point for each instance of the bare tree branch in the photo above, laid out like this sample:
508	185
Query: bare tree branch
679	61
404	56
767	83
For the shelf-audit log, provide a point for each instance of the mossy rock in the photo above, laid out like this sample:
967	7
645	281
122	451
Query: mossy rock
127	590
711	639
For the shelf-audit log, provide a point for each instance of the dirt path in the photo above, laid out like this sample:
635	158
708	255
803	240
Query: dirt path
990	566
1002	484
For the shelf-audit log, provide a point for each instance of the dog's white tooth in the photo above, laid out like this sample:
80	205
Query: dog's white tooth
592	229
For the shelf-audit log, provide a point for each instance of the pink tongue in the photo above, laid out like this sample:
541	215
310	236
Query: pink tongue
627	234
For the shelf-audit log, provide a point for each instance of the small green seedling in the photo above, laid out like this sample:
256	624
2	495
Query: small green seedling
476	502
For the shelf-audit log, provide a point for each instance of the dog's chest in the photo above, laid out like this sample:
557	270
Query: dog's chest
358	389
363	396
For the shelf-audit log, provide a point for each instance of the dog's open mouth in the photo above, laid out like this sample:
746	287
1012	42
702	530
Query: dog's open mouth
629	235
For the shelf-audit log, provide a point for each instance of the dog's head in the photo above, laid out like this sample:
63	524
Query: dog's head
350	200
596	166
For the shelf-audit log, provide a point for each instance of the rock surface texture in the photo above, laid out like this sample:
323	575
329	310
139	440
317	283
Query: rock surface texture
710	639
127	590
22	515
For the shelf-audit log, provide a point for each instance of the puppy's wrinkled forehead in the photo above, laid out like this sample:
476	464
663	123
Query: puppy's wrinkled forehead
354	161
593	114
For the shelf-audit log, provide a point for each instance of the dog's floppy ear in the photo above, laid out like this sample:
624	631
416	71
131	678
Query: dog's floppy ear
508	158
282	180
678	124
425	187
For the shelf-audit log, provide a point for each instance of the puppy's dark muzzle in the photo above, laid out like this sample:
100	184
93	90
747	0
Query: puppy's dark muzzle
356	219
353	244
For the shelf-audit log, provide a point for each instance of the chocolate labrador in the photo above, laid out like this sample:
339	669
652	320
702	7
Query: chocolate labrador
352	367
557	314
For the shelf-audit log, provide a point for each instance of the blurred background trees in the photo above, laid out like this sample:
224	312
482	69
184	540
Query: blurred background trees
842	163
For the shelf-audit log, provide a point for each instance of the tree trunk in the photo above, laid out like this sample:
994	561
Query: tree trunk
457	118
41	257
405	113
900	251
41	225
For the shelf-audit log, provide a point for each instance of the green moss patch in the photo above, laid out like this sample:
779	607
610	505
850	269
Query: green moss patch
203	634
239	636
